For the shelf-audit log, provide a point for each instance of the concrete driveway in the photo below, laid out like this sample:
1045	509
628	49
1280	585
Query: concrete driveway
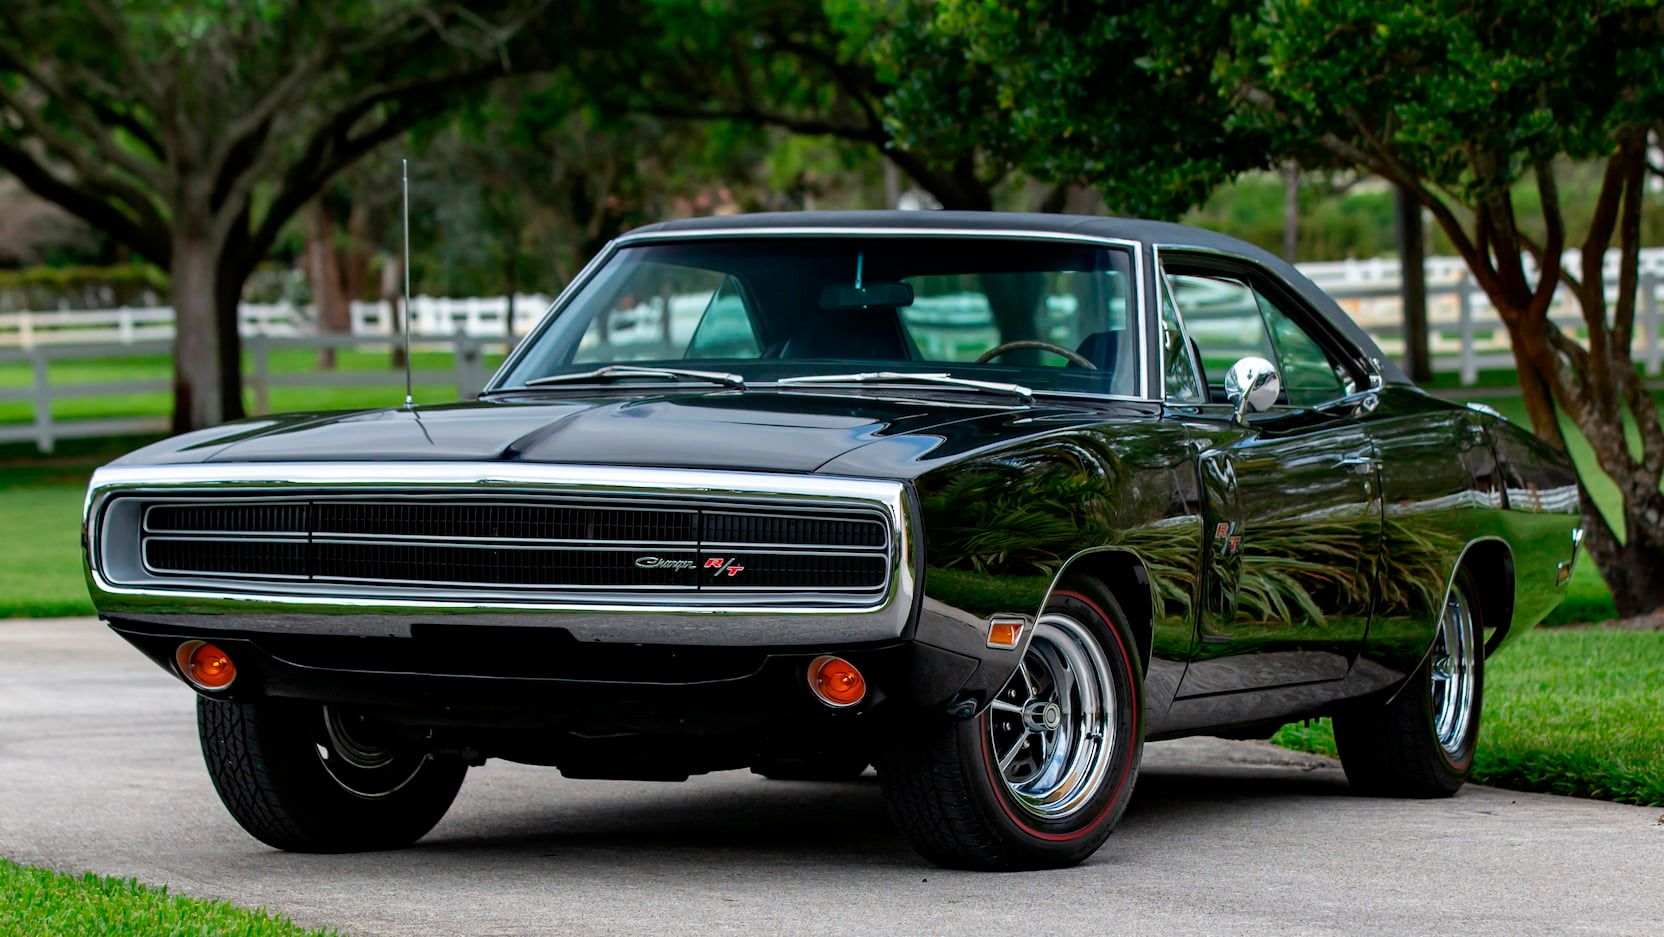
99	770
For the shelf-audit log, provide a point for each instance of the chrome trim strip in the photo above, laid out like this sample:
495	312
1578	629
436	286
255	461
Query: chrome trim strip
1139	301
761	621
855	515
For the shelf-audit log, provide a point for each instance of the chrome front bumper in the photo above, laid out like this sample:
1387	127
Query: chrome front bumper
754	620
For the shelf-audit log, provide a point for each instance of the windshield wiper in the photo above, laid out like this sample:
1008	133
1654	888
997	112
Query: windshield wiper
992	387
627	371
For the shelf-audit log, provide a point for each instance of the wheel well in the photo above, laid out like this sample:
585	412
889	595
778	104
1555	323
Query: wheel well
1491	562
1125	576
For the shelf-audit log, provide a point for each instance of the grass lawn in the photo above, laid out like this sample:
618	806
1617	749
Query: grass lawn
36	901
1566	712
282	399
40	541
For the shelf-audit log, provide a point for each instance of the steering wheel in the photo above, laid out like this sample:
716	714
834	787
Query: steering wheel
1073	357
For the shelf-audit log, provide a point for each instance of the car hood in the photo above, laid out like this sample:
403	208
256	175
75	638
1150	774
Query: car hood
843	432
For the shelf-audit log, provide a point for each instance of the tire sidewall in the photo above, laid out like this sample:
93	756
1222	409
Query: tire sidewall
1066	841
278	749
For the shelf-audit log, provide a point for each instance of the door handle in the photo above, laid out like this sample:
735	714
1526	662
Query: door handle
1359	464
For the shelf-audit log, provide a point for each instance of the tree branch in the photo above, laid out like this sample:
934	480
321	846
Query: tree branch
150	242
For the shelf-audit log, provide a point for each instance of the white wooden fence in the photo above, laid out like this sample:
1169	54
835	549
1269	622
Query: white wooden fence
468	373
1465	338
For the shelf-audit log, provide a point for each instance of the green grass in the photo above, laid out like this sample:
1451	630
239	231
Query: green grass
1566	712
37	901
40	550
282	399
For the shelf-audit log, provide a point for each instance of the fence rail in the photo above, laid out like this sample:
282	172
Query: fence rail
1465	338
468	373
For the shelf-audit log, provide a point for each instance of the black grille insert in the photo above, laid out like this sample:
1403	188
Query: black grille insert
548	545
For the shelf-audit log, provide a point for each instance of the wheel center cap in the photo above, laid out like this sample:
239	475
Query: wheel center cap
1043	716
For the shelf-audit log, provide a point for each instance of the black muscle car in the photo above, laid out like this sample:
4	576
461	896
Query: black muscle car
984	500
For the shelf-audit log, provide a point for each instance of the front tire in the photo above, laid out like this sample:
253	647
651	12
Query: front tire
309	778
1422	743
1040	778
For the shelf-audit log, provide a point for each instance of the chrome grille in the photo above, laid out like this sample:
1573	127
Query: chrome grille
534	544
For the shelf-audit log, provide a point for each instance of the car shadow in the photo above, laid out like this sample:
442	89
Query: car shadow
802	824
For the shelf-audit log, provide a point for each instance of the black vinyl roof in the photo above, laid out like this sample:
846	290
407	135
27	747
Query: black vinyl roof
1159	233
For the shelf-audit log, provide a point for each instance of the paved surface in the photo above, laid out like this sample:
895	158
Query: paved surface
99	770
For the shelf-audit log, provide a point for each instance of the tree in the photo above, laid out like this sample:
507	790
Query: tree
1464	105
191	131
843	69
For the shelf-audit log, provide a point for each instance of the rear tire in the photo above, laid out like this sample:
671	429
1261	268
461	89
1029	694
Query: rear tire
1421	744
1040	778
305	778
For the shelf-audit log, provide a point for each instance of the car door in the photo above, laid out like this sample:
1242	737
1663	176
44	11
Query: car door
1289	497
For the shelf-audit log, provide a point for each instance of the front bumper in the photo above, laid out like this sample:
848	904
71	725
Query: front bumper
515	678
500	658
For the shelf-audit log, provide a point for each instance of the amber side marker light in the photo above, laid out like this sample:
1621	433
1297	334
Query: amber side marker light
205	666
836	682
1005	633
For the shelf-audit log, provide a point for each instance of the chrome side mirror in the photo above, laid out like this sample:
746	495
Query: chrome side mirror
1253	385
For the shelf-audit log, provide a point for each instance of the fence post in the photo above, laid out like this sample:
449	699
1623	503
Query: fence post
262	373
1652	351
26	329
468	380
43	400
1469	367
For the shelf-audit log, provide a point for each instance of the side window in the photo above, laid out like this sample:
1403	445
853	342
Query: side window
1184	380
1222	316
726	329
1309	376
1228	320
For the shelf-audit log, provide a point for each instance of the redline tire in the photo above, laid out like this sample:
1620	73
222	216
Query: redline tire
962	808
1422	743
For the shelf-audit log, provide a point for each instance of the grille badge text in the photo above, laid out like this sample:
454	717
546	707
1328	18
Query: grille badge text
721	565
659	562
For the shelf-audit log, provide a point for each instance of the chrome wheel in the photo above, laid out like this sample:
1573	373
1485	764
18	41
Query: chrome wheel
1454	664
1052	729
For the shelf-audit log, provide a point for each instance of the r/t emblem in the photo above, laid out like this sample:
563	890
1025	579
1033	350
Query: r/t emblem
730	566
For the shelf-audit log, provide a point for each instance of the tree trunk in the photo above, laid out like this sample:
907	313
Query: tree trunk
1634	566
1291	210
323	273
392	294
198	365
1633	563
228	297
1412	264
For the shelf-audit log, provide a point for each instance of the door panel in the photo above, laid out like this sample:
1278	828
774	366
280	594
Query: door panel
1292	537
1291	509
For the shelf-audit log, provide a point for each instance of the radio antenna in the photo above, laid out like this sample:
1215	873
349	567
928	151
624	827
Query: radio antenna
409	399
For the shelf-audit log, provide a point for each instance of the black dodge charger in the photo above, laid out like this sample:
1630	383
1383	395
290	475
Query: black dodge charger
983	500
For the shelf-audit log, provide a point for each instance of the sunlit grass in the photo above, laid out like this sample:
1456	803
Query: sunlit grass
37	901
1566	712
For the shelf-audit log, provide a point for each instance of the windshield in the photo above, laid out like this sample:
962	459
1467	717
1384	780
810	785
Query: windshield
1043	315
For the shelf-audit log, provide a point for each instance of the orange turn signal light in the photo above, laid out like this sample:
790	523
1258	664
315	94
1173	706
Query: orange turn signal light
205	666
836	682
1004	632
